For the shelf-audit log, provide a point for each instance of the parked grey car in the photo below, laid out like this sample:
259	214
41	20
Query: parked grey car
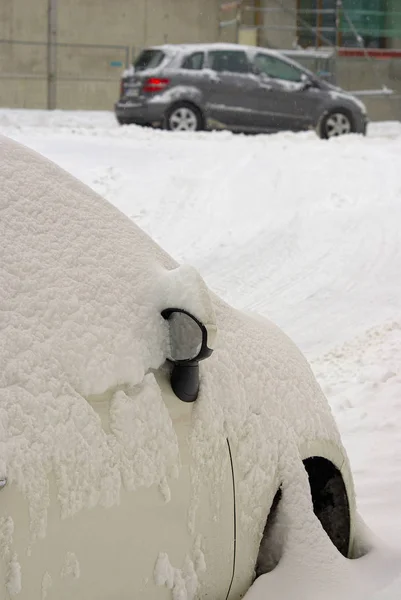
228	86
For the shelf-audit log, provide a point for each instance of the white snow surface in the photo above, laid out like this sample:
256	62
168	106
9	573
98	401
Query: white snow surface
303	231
69	332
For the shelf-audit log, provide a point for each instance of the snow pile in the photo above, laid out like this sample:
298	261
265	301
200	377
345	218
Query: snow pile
55	120
362	380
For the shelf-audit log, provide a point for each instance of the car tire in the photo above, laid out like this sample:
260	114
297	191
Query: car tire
183	116
337	122
122	121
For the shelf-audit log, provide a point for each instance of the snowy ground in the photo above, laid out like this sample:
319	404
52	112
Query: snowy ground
303	231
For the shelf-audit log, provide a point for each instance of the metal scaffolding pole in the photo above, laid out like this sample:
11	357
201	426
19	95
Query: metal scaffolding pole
51	54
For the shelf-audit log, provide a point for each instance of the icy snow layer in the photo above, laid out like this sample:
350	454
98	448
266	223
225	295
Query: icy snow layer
304	231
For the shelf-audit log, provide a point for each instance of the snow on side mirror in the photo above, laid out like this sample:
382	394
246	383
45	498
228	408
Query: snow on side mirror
190	341
306	82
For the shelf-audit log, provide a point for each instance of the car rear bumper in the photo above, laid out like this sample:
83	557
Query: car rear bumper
139	112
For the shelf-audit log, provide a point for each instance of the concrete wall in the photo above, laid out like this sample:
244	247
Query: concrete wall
363	74
86	76
278	38
25	21
360	74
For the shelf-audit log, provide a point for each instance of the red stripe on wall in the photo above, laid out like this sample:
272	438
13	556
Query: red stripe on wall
372	52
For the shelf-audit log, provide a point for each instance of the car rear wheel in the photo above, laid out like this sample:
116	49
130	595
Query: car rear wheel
336	123
122	121
183	117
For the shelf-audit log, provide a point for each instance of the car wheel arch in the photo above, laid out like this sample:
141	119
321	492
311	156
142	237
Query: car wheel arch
332	109
190	103
335	454
318	458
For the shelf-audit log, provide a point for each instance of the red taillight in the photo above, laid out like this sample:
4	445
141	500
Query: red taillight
154	84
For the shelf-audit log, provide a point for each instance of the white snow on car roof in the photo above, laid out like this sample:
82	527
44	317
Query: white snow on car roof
172	49
212	46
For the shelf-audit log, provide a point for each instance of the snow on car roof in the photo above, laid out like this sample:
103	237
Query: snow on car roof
212	46
250	50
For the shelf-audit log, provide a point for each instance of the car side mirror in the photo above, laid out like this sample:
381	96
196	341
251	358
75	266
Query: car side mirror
256	71
307	83
190	341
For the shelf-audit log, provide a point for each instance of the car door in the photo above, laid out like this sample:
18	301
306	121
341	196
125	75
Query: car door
284	99
193	76
230	99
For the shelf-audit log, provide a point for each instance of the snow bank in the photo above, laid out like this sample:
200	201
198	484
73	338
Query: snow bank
362	380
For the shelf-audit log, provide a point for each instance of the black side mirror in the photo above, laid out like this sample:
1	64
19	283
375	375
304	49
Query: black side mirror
190	341
307	83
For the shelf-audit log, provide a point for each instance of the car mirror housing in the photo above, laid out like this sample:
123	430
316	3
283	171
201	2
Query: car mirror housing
190	341
307	82
256	71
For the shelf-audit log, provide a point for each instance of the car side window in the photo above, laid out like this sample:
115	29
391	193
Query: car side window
231	61
193	61
277	69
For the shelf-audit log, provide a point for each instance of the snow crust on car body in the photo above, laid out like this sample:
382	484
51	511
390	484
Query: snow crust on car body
81	291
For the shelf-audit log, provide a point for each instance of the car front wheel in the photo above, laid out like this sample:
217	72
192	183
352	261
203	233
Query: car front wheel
334	124
183	117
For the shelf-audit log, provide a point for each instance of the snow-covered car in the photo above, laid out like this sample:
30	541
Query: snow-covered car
189	87
154	442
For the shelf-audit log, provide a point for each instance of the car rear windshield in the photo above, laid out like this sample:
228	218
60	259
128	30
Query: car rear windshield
148	59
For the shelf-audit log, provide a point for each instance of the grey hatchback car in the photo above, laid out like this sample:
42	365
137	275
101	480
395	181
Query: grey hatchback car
228	86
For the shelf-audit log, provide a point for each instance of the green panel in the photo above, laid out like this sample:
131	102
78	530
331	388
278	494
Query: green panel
372	20
393	18
307	22
368	19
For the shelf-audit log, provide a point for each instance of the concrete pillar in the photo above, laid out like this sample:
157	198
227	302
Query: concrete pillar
279	24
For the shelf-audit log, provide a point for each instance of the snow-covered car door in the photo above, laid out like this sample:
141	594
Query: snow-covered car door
231	96
162	540
283	100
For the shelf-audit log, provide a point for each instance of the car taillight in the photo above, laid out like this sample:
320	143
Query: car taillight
122	88
154	84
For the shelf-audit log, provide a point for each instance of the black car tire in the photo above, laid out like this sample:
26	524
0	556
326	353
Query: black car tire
190	115
122	121
344	120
